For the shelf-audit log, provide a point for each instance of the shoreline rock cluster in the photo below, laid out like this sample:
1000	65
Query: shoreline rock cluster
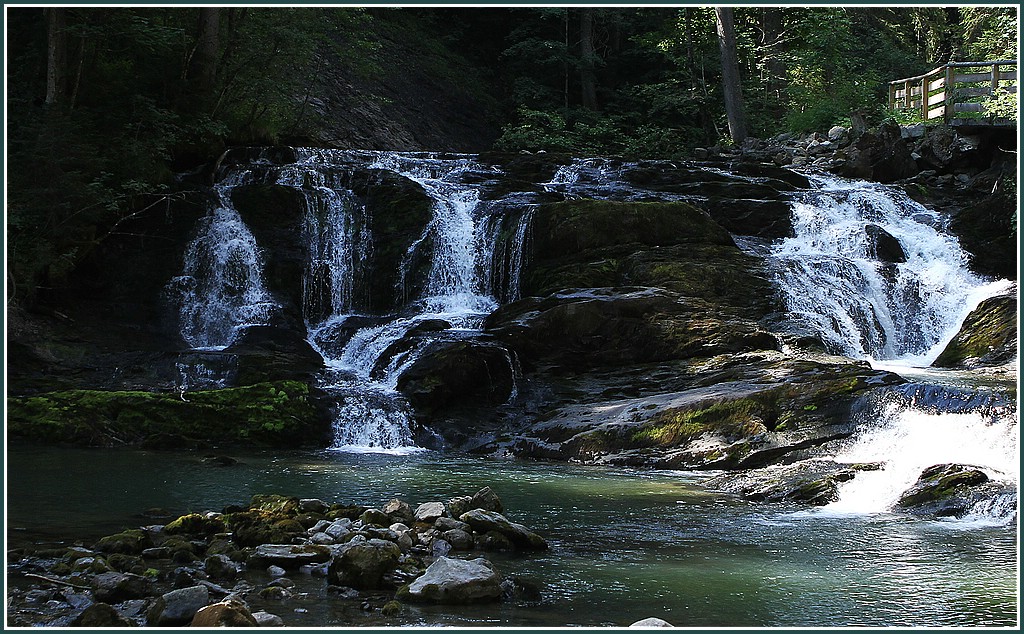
209	569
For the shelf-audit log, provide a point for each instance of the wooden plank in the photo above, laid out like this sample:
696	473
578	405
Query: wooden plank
973	78
934	99
935	113
973	92
938	83
1008	75
1000	62
969	107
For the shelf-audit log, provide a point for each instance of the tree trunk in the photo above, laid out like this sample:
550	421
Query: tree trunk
730	74
773	61
208	48
588	59
56	55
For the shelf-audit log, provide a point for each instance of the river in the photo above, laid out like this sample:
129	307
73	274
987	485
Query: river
625	544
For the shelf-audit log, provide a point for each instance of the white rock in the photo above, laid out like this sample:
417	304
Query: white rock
429	511
655	621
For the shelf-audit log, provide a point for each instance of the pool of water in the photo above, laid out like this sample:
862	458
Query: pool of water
625	544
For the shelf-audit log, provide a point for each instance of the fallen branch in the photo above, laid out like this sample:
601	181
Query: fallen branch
56	581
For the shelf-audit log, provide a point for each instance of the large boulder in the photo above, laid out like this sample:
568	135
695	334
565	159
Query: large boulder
951	490
880	155
272	353
582	329
455	581
362	563
458	373
988	336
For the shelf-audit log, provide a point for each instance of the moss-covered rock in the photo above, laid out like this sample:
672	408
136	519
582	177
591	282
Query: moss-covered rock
620	326
987	338
195	524
277	414
940	483
130	542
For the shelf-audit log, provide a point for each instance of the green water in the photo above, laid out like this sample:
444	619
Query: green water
625	544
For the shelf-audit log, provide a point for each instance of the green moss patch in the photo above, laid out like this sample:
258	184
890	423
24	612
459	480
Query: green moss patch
278	414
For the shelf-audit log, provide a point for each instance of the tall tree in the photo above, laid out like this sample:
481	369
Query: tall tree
588	60
730	74
208	48
56	55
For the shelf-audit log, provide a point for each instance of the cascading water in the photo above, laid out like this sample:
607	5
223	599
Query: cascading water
905	304
868	271
221	288
363	367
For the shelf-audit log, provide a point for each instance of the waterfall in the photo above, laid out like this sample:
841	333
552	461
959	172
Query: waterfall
919	426
905	304
221	287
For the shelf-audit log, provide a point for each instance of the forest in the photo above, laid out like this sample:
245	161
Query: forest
106	105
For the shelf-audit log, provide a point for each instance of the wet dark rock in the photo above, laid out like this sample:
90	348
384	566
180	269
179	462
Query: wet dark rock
458	373
487	500
582	329
271	353
487	521
177	607
883	246
101	615
130	542
195	524
880	155
947	490
814	482
113	587
362	563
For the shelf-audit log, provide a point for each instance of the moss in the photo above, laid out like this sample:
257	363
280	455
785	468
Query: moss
287	416
988	336
194	524
130	542
732	419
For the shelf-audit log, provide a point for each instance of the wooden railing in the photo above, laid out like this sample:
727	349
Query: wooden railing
952	88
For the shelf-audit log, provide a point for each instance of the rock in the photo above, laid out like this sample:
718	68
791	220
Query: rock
881	155
447	523
230	613
195	524
375	517
883	246
654	621
814	482
113	587
288	556
101	615
312	505
455	373
942	488
429	511
455	581
339	529
457	506
988	337
836	132
273	353
221	567
399	511
177	607
130	542
493	541
391	608
458	538
487	500
362	563
266	619
485	521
